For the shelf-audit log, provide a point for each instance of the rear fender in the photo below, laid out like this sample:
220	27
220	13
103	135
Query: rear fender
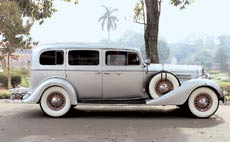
36	94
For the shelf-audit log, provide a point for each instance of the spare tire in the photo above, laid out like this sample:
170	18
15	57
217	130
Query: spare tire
162	83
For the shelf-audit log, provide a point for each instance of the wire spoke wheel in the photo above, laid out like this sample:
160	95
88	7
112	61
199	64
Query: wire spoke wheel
163	86
162	83
56	101
203	102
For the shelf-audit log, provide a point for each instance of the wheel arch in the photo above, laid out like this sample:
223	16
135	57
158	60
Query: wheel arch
207	86
52	82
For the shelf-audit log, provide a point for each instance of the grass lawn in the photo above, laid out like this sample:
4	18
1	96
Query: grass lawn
219	79
222	84
25	82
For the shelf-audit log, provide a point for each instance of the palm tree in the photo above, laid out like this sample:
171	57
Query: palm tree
111	20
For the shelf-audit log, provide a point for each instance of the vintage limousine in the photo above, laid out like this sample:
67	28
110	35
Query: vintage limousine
64	75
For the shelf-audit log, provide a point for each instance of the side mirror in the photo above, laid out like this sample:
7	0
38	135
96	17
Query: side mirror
147	61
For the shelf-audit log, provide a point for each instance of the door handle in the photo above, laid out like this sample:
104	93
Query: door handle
118	74
106	73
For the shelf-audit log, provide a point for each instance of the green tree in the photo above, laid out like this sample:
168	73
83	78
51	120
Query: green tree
164	50
2	61
222	56
139	13
147	12
110	19
14	31
195	50
132	39
37	10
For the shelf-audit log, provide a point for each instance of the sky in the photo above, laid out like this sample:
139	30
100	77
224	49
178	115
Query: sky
79	23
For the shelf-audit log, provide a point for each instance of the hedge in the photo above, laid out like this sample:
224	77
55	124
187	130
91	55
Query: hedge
15	80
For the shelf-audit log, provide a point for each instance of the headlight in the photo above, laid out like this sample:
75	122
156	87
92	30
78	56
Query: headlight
204	75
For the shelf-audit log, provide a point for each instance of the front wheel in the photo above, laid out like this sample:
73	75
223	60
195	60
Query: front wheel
55	102
203	102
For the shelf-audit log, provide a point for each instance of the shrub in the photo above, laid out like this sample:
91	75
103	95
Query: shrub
24	71
3	80
4	96
228	98
15	80
214	72
225	80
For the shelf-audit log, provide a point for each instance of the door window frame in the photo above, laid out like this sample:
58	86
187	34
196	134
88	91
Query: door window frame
127	52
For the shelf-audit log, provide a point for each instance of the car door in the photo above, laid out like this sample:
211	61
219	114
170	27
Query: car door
84	71
122	75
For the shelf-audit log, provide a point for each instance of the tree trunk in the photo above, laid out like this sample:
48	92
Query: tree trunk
108	35
4	64
151	31
8	71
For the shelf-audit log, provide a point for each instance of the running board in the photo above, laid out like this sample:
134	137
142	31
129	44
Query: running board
134	101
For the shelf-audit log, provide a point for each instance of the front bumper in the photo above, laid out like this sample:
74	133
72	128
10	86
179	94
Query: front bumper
20	93
223	99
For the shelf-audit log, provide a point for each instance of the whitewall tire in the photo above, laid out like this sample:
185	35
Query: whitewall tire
55	102
203	102
162	83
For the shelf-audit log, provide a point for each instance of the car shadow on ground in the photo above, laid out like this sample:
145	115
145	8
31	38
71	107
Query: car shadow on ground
127	112
170	116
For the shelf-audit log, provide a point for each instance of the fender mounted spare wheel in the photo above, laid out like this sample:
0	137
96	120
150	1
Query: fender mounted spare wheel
162	83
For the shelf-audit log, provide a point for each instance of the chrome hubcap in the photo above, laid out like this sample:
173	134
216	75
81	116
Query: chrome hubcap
163	86
56	101
203	102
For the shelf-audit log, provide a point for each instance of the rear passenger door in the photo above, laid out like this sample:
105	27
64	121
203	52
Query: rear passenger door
84	71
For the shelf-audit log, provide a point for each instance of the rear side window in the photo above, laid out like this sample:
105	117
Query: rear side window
83	58
52	58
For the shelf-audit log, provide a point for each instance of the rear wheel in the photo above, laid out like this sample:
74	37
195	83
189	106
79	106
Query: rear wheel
203	102
162	83
55	102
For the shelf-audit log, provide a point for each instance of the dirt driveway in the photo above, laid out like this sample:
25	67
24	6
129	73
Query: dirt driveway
87	123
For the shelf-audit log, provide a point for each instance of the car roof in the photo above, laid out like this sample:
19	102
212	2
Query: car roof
82	45
76	45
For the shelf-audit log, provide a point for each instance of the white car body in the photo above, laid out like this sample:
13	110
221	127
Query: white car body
114	75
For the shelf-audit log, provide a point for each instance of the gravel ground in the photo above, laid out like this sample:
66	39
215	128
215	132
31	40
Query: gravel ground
106	123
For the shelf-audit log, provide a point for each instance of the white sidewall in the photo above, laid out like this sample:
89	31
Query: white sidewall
51	112
156	78
211	111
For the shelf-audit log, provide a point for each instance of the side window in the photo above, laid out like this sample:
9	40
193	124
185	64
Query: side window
52	58
83	58
133	59
116	58
122	58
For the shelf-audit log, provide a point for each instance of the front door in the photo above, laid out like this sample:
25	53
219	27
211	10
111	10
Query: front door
122	75
84	71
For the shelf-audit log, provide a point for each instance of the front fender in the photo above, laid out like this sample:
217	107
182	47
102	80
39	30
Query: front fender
180	95
36	94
